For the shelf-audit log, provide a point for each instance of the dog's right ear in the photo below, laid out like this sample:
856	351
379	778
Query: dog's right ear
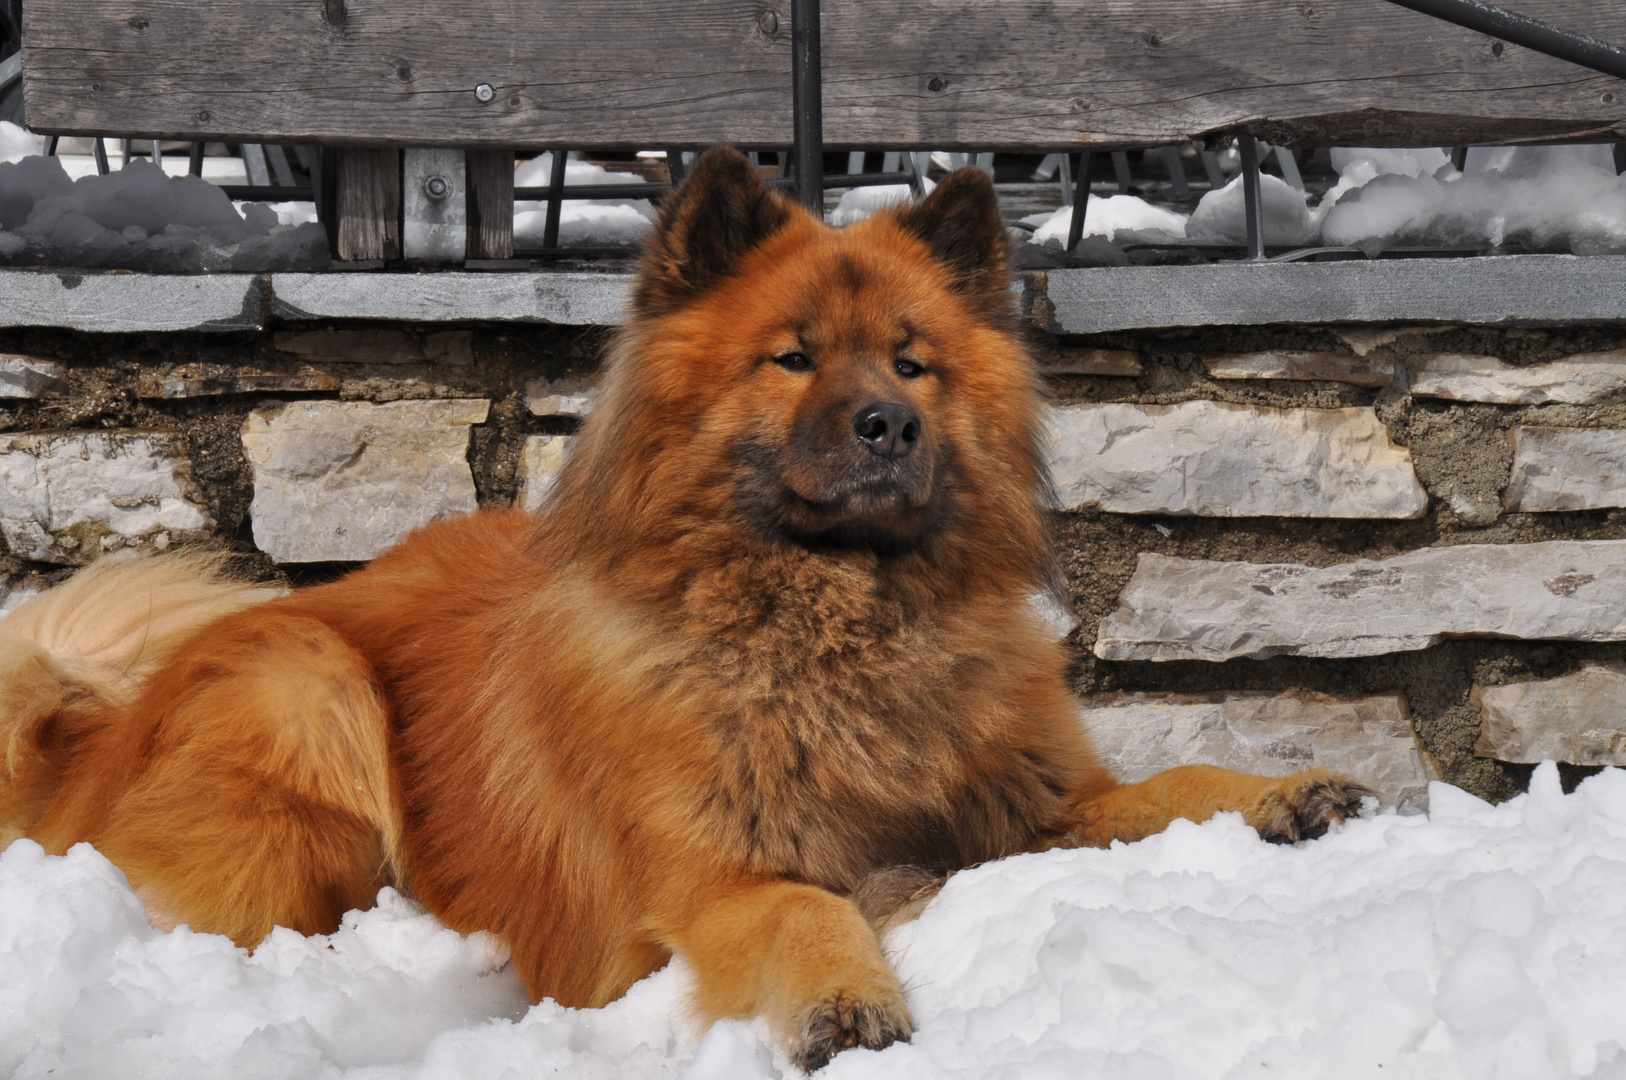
720	212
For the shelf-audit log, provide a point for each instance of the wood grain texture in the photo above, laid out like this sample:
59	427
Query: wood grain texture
491	203
367	203
946	74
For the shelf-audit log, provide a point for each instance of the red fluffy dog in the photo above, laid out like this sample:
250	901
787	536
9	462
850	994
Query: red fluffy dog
769	642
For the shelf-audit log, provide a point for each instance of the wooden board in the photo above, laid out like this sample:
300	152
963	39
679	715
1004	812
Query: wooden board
941	74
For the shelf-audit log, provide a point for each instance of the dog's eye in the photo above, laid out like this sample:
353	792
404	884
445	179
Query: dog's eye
909	369
795	361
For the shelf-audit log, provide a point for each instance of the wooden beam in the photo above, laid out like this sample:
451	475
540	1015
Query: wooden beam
366	203
942	74
491	203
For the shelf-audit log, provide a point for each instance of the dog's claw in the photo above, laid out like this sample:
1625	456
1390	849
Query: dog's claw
842	1021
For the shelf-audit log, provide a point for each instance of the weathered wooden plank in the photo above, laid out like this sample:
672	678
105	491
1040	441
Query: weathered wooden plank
491	203
367	202
951	74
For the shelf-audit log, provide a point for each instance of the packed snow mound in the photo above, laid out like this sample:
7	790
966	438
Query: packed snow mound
1559	198
1477	942
859	203
1121	219
1221	215
582	222
141	219
17	143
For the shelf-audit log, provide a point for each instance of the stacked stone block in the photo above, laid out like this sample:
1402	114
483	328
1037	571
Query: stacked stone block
1389	550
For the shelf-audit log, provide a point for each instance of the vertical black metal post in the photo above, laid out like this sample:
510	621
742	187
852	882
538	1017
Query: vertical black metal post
1081	199
1253	197
556	192
194	160
807	102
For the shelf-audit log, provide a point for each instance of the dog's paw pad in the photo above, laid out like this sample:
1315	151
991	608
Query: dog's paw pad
843	1021
1306	806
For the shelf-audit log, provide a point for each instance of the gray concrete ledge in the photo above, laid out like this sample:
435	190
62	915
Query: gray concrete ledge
1531	289
570	299
1509	289
112	303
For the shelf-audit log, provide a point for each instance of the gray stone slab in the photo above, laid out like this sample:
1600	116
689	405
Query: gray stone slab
540	461
1369	738
1115	362
1574	380
67	496
1566	469
455	347
27	377
122	302
1194	609
571	396
1376	370
346	480
1216	459
1579	718
573	299
1504	289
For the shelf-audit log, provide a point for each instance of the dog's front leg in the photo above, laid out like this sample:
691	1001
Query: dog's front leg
803	957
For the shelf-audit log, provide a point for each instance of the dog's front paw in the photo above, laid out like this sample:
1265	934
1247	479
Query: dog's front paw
1303	806
844	1020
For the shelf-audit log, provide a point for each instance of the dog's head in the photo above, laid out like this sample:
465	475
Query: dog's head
856	387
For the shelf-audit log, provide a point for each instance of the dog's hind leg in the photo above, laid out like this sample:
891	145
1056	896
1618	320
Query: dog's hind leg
797	954
1283	809
248	787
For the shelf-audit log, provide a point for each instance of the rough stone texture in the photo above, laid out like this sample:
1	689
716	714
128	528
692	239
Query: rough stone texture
180	384
570	396
1491	291
1114	362
380	346
26	377
1219	460
1194	609
575	299
1578	718
1574	380
119	303
68	496
1368	738
343	481
1056	616
1296	364
539	464
1566	469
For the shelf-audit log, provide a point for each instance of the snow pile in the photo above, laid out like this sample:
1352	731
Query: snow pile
582	222
140	219
1122	219
17	143
1552	198
1476	942
858	203
1558	198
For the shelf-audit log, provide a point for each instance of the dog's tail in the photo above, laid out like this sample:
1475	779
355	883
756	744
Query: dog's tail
71	654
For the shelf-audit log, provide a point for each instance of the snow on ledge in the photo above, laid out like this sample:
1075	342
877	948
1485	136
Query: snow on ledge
1475	941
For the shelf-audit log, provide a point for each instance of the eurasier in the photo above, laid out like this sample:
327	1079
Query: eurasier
769	644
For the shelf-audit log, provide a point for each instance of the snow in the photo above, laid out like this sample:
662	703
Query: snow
17	143
1477	942
582	222
1552	198
141	218
1134	218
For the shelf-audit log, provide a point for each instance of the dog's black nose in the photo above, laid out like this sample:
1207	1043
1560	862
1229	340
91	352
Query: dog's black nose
887	428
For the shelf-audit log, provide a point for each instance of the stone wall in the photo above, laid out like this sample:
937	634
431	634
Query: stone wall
1244	510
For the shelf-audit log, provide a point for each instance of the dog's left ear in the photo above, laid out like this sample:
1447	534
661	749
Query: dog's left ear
720	212
960	222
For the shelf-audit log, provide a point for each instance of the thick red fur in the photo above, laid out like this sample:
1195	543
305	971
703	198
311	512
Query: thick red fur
742	664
